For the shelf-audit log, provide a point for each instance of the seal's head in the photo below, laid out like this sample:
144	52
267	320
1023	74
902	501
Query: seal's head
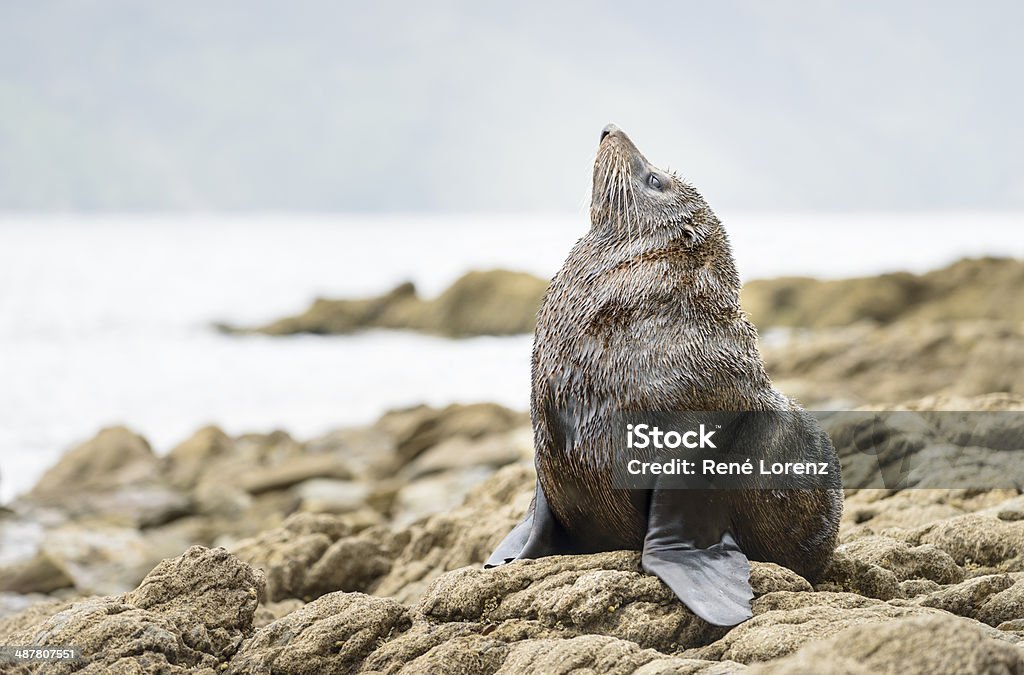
633	197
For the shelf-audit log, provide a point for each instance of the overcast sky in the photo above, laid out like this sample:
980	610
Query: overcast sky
476	106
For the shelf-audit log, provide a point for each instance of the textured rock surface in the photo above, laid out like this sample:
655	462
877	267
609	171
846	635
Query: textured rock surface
916	645
785	620
835	368
363	584
333	634
189	612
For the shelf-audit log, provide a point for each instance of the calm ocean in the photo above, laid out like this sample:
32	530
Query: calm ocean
106	319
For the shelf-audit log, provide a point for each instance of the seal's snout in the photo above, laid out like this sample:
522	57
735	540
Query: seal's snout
608	131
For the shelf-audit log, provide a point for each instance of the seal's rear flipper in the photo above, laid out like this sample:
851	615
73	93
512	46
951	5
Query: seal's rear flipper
537	536
713	581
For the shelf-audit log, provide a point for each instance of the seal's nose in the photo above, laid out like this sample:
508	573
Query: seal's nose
608	130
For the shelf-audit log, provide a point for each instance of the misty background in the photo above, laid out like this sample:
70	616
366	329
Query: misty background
468	106
165	166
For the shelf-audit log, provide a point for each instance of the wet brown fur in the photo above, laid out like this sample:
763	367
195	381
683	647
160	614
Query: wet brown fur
645	315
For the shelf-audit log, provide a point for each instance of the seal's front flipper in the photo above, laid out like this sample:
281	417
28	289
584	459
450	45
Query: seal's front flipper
713	581
538	535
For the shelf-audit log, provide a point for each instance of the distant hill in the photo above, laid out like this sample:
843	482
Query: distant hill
470	106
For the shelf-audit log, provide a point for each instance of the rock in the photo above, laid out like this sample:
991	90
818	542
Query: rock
978	288
269	612
115	457
215	499
43	551
768	577
837	368
590	652
913	588
880	510
190	612
103	560
604	594
482	655
114	476
678	666
459	452
23	567
916	645
904	561
784	621
188	461
471	648
992	599
851	574
982	544
435	493
340	317
350	564
462	647
500	302
327	495
23	611
495	302
333	634
464	536
311	555
295	470
38	574
421	427
370	452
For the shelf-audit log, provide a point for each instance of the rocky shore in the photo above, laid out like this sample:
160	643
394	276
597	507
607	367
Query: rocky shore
500	302
493	302
361	551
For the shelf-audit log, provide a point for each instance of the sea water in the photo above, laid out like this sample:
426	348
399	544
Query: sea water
107	319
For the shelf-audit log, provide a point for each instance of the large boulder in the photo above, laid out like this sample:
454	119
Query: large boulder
190	612
972	288
311	555
327	316
493	302
836	368
114	476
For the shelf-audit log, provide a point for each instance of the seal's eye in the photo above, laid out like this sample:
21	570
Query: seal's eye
654	182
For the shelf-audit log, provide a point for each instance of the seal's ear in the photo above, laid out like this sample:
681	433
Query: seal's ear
713	581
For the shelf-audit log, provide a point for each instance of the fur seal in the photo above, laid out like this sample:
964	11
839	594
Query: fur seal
645	315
